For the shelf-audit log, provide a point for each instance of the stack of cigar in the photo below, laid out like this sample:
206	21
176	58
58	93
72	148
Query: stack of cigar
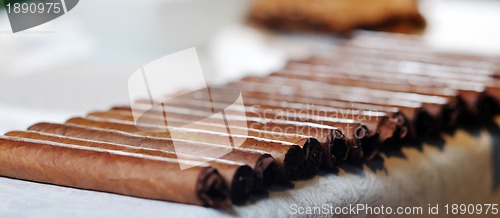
350	101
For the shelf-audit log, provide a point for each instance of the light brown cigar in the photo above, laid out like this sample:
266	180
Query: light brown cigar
334	146
346	125
448	115
469	91
262	164
289	157
310	146
238	176
360	136
414	112
385	130
402	43
112	171
421	122
436	106
278	109
346	53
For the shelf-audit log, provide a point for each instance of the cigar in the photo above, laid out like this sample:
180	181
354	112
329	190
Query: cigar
123	173
452	113
471	93
402	43
423	63
422	121
262	164
237	176
335	147
310	146
436	106
367	136
390	128
289	157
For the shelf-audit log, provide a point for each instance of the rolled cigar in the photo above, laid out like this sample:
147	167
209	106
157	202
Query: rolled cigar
335	148
343	52
346	125
238	176
289	157
311	146
402	43
452	113
270	108
124	173
262	164
259	106
365	136
436	106
313	149
421	120
472	93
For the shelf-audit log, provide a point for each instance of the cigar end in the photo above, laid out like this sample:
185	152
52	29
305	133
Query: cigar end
212	190
242	184
313	157
339	149
368	143
450	116
37	126
487	107
424	126
392	131
294	163
265	172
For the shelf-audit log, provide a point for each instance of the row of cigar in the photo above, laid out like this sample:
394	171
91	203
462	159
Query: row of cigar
350	101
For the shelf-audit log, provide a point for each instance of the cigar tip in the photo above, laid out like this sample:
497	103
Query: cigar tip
294	163
212	190
265	172
313	155
339	150
37	126
242	184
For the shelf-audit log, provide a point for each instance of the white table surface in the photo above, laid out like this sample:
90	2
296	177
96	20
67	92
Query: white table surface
62	69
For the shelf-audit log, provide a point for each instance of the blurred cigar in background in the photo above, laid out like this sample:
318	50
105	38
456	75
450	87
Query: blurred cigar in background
338	15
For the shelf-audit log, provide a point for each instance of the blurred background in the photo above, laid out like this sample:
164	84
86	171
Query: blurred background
81	61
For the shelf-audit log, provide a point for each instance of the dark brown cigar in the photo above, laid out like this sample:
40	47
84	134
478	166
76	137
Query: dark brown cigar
310	146
111	171
289	157
449	116
262	164
238	176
